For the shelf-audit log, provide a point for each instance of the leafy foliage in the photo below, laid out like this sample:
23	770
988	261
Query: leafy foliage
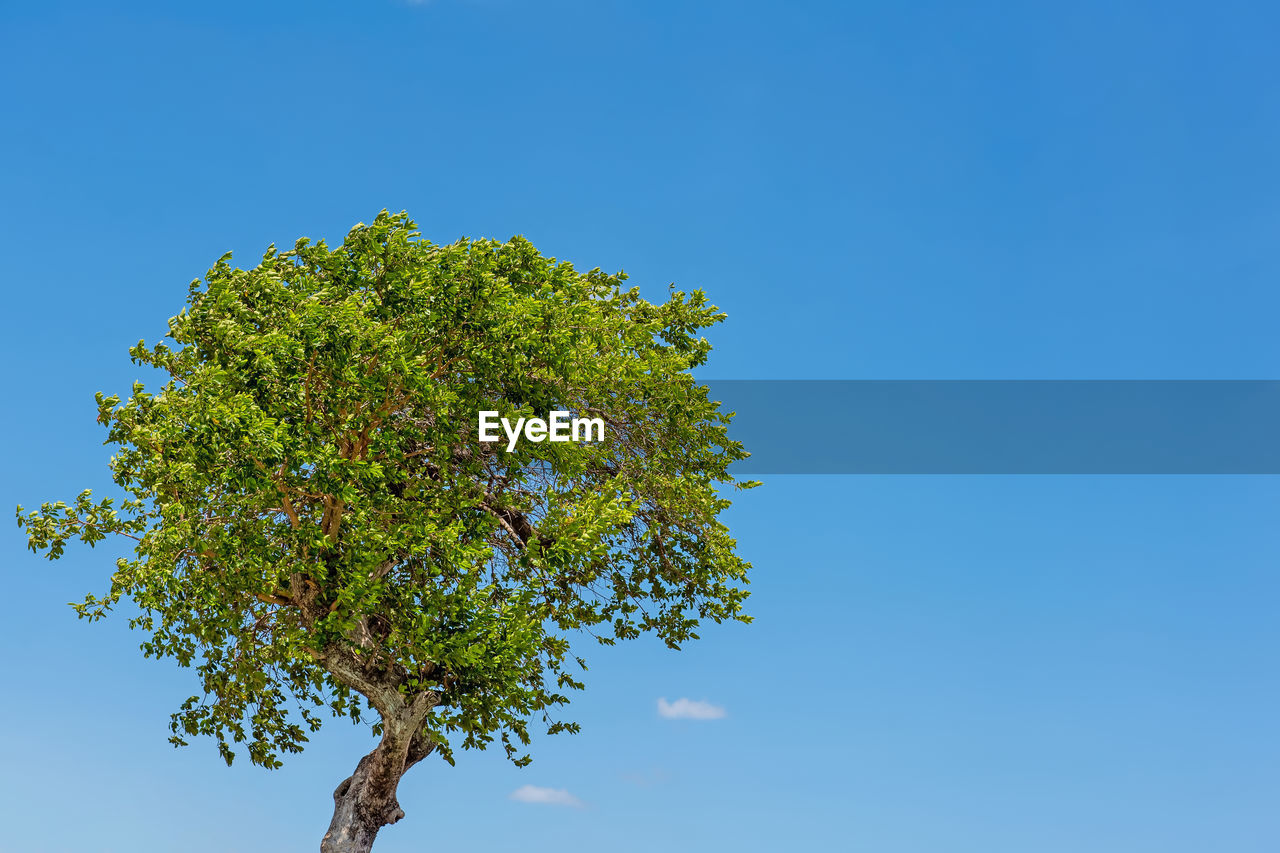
316	526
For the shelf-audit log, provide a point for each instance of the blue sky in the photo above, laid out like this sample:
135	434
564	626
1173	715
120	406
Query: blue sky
876	190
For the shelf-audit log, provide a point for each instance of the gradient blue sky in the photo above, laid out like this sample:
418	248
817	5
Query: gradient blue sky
871	190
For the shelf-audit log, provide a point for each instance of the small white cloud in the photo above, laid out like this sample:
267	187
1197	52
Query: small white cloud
545	796
688	709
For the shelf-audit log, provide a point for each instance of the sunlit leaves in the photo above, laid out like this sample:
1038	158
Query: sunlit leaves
307	485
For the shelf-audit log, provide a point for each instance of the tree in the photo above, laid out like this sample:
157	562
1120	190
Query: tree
316	527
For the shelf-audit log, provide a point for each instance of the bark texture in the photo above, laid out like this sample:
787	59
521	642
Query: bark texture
366	801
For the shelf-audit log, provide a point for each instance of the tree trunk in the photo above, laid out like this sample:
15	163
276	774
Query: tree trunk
366	801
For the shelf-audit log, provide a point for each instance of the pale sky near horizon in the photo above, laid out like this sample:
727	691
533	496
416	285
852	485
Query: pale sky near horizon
871	191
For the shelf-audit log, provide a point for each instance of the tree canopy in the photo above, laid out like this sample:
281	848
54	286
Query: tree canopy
317	530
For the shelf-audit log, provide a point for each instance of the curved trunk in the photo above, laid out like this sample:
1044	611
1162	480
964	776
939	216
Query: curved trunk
366	801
